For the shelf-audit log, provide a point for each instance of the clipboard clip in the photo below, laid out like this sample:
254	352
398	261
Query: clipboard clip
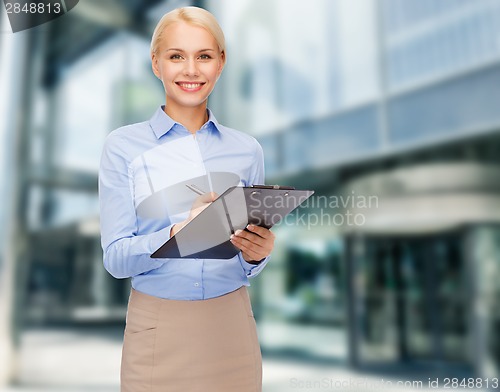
279	187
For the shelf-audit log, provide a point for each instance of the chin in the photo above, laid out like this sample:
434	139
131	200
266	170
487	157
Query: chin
192	103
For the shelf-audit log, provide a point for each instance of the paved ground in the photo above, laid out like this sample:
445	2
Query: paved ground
87	360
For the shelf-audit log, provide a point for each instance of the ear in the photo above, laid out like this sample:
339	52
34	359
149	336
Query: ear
155	66
222	63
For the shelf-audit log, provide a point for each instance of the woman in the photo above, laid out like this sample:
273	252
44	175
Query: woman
189	323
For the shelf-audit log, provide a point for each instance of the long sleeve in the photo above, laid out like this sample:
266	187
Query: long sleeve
256	178
126	253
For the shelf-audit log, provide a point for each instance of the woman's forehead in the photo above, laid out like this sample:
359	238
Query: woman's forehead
189	37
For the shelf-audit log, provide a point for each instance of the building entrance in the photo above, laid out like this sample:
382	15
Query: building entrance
409	298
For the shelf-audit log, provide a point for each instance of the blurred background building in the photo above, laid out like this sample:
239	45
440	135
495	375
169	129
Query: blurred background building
388	109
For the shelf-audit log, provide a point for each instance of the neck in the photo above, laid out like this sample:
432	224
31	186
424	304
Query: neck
192	118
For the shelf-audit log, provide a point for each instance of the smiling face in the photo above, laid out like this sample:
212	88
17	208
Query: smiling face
188	62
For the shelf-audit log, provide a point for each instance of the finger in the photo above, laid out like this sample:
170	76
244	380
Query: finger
201	208
250	253
202	201
261	231
262	248
206	197
250	237
213	196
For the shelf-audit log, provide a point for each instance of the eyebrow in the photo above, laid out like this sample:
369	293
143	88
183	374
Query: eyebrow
181	50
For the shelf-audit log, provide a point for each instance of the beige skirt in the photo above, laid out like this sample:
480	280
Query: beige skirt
182	346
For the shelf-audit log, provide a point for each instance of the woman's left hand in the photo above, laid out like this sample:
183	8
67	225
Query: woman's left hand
255	244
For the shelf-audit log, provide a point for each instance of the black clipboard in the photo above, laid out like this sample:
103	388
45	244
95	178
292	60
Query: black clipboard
207	235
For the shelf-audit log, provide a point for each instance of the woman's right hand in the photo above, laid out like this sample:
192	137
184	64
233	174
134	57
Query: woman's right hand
199	204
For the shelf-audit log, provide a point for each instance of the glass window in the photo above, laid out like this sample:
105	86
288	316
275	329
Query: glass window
277	75
459	29
444	109
111	86
97	95
73	206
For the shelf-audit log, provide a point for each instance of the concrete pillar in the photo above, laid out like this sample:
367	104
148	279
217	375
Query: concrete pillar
482	244
12	61
21	62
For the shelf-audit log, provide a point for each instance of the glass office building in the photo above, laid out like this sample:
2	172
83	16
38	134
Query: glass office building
392	99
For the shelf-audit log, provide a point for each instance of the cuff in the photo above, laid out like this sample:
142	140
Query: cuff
253	270
158	238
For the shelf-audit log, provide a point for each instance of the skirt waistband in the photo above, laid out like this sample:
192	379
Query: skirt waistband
151	303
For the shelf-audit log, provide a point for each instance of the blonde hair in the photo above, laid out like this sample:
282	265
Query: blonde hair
192	15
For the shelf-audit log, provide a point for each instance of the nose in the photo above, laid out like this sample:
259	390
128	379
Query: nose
191	68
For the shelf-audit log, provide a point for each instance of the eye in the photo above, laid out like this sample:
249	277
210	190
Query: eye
176	57
205	57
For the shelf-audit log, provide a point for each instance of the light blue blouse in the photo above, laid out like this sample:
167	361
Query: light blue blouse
142	193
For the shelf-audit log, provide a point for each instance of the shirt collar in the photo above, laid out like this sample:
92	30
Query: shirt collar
161	122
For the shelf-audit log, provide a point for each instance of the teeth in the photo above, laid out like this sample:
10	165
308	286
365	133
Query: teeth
190	85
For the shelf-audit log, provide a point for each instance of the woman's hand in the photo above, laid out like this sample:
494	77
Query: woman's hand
255	244
199	204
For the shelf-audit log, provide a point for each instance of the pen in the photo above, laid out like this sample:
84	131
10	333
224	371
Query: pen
195	189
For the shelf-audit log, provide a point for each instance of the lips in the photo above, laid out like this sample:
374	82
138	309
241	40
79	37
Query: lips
190	86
